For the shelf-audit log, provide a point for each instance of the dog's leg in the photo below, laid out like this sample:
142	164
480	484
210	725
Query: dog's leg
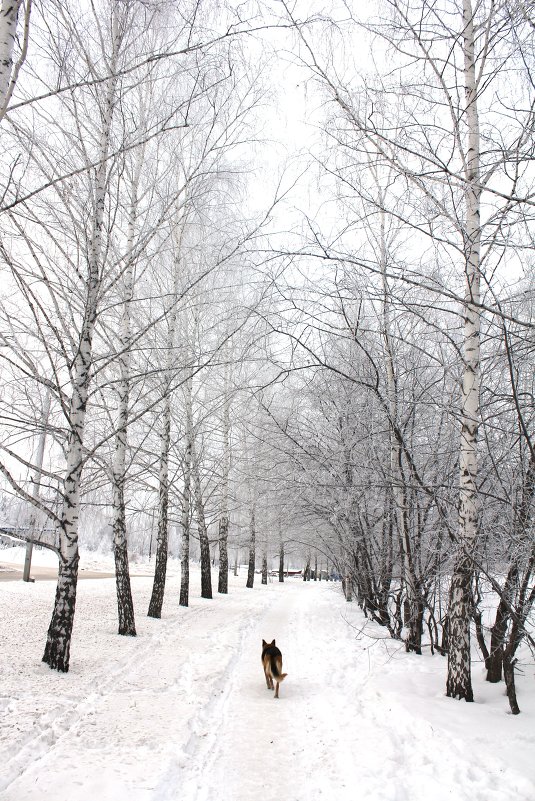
269	679
277	691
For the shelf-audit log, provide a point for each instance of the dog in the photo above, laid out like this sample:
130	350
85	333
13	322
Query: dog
272	664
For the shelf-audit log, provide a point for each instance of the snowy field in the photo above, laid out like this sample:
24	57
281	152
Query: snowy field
182	712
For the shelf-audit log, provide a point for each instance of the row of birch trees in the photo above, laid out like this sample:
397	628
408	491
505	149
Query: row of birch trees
128	276
410	300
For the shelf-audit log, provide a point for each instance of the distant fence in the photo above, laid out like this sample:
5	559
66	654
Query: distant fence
46	537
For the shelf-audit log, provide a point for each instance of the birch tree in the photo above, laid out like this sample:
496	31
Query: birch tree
186	501
252	549
459	658
222	585
57	648
158	589
124	593
202	528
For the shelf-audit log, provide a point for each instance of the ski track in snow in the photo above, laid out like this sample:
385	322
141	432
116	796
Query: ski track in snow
323	738
182	711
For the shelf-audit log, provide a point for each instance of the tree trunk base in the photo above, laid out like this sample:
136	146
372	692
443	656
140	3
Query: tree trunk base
58	643
509	675
158	587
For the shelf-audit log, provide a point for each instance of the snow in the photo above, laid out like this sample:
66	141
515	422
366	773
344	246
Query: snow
182	710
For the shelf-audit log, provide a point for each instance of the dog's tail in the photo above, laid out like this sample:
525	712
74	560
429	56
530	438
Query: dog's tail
275	670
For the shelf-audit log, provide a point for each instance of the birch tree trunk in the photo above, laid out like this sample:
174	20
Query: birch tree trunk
459	682
8	28
252	549
184	551
264	567
9	12
196	489
281	561
206	572
186	505
160	570
414	617
57	649
306	571
125	604
222	586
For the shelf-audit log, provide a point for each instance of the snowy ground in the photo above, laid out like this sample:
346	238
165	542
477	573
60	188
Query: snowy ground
182	711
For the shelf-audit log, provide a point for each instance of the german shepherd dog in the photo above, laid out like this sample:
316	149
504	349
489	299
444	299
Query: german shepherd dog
272	664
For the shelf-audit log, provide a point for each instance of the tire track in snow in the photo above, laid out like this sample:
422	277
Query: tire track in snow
257	742
188	767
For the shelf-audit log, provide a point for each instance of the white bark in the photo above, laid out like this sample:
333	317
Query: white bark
252	548
160	572
459	678
9	12
158	590
264	565
186	502
125	606
224	519
206	576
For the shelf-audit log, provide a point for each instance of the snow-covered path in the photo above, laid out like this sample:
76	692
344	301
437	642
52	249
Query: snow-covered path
328	736
296	744
182	712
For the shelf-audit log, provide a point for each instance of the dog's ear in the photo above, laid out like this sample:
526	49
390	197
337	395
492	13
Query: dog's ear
264	643
273	643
